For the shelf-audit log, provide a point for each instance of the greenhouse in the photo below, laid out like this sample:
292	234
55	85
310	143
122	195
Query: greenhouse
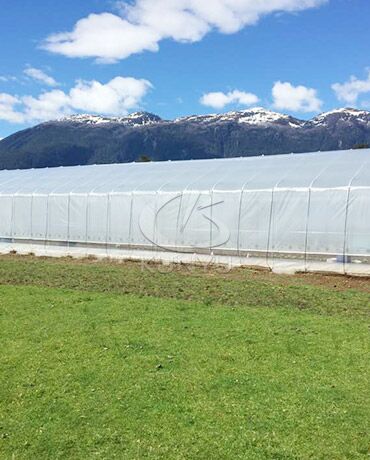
296	212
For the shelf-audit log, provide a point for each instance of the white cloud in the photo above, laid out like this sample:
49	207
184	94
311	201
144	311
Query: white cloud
350	91
295	98
142	24
8	108
50	105
116	97
8	78
219	100
40	76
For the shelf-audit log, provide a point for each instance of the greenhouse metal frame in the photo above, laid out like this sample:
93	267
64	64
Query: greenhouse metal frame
296	212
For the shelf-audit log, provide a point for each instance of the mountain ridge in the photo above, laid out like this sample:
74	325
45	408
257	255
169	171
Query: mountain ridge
87	138
253	115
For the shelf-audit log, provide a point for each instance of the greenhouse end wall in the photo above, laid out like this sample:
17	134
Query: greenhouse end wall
302	212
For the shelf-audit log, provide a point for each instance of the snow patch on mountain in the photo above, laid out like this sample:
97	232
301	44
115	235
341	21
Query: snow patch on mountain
260	116
344	114
257	116
134	119
254	116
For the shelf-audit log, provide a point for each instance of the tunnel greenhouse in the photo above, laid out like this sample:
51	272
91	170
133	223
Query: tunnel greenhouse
296	212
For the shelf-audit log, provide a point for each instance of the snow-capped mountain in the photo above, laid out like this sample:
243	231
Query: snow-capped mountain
86	139
254	116
134	119
345	115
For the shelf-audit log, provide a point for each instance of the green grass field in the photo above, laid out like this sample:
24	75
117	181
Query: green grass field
107	360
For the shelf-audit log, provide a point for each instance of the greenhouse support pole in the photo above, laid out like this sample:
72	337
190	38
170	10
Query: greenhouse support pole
107	224
87	222
211	223
12	220
242	191
308	213
273	190
31	222
47	223
307	224
239	219
345	243
155	224
269	228
184	191
69	222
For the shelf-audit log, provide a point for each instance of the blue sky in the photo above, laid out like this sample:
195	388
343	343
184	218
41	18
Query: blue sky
180	57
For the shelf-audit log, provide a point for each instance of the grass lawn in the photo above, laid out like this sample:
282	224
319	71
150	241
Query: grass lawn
104	360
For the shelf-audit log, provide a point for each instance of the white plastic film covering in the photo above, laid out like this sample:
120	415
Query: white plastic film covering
311	210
